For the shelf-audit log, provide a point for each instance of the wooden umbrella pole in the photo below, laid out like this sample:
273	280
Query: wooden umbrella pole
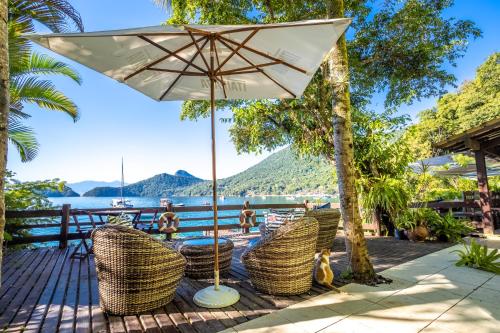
214	172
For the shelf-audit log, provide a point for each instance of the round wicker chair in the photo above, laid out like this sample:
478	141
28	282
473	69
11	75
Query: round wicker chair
135	272
328	220
283	262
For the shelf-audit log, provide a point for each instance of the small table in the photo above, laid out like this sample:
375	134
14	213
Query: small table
199	254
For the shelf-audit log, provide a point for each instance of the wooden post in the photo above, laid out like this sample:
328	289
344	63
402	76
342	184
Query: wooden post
306	204
169	208
63	237
484	193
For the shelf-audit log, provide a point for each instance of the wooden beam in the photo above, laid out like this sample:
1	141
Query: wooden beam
188	73
164	49
243	69
185	68
265	55
200	51
484	193
471	144
235	51
261	71
142	69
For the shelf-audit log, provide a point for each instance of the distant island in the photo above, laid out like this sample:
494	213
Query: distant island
282	173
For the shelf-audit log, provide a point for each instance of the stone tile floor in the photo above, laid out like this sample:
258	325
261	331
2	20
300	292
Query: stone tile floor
429	294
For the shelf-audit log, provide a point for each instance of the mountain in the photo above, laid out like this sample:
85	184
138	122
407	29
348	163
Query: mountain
66	192
160	185
281	173
86	185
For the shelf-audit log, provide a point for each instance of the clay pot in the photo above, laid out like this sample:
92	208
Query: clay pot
419	234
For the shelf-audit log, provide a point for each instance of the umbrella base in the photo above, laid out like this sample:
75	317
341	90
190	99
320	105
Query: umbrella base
215	299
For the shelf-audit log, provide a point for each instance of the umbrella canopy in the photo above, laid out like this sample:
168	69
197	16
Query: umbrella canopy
173	62
195	62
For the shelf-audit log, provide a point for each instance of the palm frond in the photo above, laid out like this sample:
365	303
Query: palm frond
164	4
42	93
57	15
41	64
23	139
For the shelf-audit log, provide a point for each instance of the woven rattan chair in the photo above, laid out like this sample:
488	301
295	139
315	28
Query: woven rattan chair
328	219
135	272
282	263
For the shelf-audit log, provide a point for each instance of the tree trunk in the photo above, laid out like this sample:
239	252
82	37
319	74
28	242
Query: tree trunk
4	114
355	241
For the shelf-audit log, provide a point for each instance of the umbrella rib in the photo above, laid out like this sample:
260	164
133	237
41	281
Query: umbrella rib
199	50
142	69
237	49
265	55
171	53
261	71
221	77
185	68
246	68
187	73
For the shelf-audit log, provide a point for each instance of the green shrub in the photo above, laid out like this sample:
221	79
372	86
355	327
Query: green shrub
450	229
477	256
415	217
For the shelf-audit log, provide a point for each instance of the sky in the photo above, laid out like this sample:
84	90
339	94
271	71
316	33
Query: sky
117	121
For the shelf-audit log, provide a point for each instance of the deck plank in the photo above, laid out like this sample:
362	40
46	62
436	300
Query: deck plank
83	324
35	310
70	301
21	292
47	291
53	315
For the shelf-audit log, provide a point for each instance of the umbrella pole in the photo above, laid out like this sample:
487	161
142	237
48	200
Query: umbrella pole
217	296
214	175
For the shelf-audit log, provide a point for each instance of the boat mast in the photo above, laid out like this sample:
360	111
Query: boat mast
121	188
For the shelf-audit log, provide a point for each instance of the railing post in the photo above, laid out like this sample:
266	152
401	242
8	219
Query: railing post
168	208
63	236
306	204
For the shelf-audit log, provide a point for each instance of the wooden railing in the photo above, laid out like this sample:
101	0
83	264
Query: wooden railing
66	216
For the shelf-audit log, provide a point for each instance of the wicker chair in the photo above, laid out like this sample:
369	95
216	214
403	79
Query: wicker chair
328	220
135	272
282	263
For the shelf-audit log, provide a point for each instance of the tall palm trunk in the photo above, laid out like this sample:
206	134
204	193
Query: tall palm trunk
4	114
355	241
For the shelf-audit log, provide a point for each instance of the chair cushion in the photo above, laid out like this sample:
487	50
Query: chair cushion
275	218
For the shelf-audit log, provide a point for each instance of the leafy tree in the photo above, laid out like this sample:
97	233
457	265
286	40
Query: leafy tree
476	102
398	49
4	113
27	66
26	196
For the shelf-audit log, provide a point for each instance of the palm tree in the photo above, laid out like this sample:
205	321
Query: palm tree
26	66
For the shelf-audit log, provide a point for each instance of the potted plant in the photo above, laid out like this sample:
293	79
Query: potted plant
415	221
449	229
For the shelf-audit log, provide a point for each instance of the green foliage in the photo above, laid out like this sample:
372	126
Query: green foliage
416	217
449	228
475	103
26	67
283	172
387	194
477	256
26	196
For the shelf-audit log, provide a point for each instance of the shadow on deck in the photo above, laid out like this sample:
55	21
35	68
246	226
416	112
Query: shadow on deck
43	290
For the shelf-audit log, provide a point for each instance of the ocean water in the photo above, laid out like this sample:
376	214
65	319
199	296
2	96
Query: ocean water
105	202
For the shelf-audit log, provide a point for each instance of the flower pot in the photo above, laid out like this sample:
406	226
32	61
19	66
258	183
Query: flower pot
400	234
419	234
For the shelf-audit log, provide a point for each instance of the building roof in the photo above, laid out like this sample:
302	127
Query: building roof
485	137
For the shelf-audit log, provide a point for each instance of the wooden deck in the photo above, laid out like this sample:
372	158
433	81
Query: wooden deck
43	290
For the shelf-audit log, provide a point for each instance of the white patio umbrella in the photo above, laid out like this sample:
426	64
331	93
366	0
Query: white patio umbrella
202	62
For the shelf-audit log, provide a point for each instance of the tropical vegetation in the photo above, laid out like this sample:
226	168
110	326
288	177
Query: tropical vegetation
396	49
26	67
479	256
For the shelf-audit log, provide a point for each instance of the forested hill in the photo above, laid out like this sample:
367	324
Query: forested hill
159	185
281	173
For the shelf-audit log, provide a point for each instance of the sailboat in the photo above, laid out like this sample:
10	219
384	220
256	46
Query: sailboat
121	202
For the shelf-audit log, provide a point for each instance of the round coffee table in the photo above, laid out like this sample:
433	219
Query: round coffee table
199	254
